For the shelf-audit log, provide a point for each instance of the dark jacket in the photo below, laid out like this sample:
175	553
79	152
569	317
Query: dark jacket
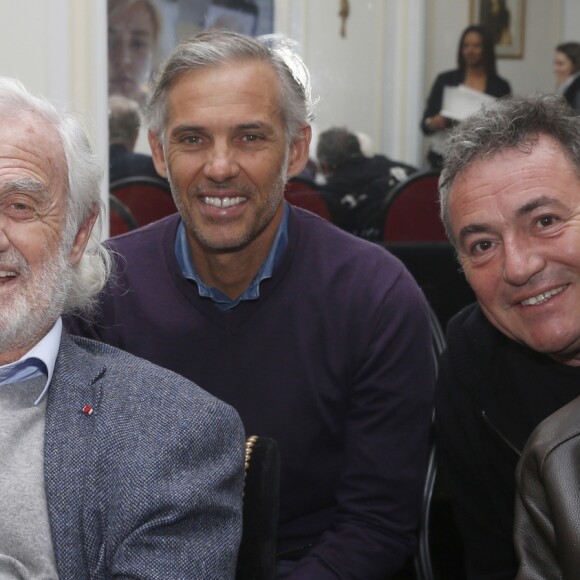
572	94
496	87
491	394
547	530
356	191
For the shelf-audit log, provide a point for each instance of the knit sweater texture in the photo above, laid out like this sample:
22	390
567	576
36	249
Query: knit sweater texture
26	549
333	361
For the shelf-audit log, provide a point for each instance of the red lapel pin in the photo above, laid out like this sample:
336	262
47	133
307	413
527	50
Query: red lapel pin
87	410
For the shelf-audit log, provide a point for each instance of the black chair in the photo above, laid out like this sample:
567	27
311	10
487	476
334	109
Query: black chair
257	555
435	267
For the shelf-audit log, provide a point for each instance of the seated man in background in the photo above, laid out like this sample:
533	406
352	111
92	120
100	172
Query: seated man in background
356	185
510	201
124	124
319	340
111	466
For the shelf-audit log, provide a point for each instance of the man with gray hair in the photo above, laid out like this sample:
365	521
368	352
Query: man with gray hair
111	466
510	200
356	185
320	340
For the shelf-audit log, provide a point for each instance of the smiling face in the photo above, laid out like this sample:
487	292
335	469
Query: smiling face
563	67
516	218
227	157
34	267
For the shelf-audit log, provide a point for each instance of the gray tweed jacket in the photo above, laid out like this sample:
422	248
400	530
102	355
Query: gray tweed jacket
149	484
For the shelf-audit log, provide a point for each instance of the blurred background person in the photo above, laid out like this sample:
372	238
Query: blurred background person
124	124
476	69
567	71
133	34
356	185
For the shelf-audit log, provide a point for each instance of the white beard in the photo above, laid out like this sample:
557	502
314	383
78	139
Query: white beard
28	314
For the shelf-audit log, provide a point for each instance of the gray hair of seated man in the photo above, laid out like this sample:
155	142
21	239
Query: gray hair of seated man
513	122
84	175
337	145
213	48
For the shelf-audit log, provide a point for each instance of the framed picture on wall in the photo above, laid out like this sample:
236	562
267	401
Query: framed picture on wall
505	19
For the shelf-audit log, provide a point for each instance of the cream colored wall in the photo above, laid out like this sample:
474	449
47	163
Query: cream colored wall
570	20
368	80
57	48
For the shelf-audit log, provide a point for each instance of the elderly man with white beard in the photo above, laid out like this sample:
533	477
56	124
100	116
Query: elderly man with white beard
111	466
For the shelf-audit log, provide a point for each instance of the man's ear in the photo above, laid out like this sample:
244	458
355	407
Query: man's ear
299	151
82	238
157	153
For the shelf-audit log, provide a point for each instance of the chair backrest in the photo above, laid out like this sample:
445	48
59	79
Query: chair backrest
121	220
147	198
257	555
412	210
305	194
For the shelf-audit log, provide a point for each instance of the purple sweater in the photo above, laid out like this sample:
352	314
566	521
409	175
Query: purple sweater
333	361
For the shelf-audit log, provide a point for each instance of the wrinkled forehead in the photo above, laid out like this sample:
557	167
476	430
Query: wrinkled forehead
30	144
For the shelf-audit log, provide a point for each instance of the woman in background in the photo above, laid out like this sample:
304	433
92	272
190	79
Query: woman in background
476	70
567	71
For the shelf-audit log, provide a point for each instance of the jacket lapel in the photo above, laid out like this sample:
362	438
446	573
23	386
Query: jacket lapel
69	455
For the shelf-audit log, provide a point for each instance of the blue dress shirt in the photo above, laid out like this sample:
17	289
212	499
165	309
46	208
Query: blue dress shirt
39	360
252	292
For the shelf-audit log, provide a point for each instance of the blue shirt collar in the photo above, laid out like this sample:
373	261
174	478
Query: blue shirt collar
39	360
252	292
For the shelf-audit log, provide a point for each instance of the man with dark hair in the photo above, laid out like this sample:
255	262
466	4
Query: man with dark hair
510	201
336	147
112	467
319	340
356	185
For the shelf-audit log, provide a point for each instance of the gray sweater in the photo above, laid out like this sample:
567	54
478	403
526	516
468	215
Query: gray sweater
25	542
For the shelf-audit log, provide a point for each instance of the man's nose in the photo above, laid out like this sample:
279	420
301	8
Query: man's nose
4	241
221	163
522	260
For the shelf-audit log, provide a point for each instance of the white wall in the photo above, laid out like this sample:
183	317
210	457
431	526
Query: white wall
57	48
368	80
571	21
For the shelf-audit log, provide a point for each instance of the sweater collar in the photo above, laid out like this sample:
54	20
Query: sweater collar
252	292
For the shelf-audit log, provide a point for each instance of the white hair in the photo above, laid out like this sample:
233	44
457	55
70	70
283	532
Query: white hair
84	175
